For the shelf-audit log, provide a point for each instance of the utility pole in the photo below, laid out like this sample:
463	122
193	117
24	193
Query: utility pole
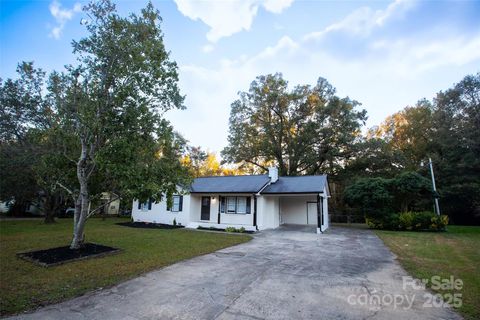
435	197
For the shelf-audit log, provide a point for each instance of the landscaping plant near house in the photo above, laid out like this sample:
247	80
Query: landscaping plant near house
233	229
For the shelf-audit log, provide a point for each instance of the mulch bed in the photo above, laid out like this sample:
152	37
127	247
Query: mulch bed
145	225
60	255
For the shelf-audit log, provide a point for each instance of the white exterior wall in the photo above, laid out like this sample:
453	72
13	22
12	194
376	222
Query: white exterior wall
159	213
268	212
293	210
271	212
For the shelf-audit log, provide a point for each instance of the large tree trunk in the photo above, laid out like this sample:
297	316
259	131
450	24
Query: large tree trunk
82	203
50	208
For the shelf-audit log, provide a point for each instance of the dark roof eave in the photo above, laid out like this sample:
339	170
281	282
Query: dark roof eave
228	192
296	192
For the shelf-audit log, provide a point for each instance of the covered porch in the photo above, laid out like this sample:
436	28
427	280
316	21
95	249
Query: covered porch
222	210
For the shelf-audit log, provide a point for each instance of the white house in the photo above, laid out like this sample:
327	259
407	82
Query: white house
255	202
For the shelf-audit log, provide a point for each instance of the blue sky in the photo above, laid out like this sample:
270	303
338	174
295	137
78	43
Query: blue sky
385	54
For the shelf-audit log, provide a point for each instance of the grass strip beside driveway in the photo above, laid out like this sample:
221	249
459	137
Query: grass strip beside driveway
453	253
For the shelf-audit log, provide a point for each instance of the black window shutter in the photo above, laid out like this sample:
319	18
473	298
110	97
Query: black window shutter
248	205
168	207
180	204
150	204
139	204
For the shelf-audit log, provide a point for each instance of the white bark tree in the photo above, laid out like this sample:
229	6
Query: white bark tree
112	103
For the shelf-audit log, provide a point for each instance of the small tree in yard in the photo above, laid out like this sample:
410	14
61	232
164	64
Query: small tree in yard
111	103
409	187
372	195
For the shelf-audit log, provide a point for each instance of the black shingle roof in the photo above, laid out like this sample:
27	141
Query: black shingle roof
300	184
254	183
230	184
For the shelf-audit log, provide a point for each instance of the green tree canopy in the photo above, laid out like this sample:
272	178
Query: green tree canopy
303	130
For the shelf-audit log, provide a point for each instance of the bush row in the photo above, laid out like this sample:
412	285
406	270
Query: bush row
411	221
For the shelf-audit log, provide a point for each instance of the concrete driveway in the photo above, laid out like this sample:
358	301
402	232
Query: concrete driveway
288	273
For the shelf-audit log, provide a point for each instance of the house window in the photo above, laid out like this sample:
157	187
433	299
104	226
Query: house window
240	205
145	206
177	204
231	204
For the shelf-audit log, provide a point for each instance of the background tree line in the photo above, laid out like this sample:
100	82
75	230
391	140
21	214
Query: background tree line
310	130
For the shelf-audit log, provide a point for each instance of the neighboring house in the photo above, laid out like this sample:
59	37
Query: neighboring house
255	202
113	203
4	206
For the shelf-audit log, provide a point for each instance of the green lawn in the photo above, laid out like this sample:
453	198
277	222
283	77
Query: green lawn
455	252
24	286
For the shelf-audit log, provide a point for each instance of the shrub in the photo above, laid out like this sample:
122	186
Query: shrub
423	220
406	220
233	229
439	223
174	221
385	222
411	221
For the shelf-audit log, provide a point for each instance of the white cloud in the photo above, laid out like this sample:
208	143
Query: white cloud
363	20
228	17
208	48
414	57
61	17
277	6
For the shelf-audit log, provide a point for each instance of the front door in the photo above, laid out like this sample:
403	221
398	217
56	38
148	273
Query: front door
205	213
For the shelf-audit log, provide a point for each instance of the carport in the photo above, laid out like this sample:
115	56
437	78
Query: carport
301	200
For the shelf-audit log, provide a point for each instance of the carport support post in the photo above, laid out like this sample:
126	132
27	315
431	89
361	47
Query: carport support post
255	211
319	214
219	208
